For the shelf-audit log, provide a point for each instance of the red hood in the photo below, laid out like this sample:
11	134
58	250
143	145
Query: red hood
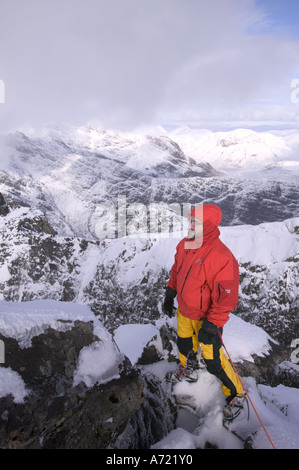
210	215
207	212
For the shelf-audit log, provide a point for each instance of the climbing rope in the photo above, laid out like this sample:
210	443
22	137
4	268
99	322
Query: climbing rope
247	394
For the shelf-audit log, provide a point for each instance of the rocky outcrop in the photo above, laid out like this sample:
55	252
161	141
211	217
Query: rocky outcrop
4	210
268	369
56	412
163	405
132	409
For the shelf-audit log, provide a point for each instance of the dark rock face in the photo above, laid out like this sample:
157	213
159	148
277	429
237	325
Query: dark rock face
153	420
266	370
55	413
4	210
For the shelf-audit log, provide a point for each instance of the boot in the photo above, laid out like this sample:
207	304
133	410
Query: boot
233	407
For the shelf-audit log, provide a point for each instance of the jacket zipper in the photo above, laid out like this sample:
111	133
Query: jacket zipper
181	265
186	274
201	298
201	295
220	290
186	278
179	269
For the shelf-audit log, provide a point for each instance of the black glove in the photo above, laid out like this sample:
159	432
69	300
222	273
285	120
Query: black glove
208	332
167	306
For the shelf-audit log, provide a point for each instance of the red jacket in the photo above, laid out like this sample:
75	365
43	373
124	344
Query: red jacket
205	274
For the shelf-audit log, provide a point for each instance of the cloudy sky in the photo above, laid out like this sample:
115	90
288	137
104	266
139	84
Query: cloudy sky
130	63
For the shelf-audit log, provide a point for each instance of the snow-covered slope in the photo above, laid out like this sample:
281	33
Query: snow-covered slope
239	148
199	420
204	399
69	173
123	279
272	419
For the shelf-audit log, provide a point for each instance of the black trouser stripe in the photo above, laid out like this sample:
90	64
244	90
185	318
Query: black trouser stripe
185	345
215	368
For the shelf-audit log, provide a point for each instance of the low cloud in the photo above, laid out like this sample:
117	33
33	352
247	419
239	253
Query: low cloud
135	62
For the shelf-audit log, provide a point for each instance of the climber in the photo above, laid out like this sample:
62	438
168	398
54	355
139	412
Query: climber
205	280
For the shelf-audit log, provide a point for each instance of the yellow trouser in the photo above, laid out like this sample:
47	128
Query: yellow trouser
213	355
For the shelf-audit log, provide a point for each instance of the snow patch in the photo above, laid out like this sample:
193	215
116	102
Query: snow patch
98	363
11	383
131	339
243	340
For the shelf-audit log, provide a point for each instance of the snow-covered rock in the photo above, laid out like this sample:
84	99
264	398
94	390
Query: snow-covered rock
271	418
64	382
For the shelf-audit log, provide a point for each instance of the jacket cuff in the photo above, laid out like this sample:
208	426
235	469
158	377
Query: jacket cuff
170	292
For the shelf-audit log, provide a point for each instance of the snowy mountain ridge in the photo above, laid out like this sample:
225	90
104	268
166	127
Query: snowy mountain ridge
123	279
239	148
68	173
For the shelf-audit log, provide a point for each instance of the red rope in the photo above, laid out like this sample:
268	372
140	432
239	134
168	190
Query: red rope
247	394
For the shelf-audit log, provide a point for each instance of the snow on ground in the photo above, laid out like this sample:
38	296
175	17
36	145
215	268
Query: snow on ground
200	419
132	339
12	383
277	408
202	402
243	339
262	244
205	400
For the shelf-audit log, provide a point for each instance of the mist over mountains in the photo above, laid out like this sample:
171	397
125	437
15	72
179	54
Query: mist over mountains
67	173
